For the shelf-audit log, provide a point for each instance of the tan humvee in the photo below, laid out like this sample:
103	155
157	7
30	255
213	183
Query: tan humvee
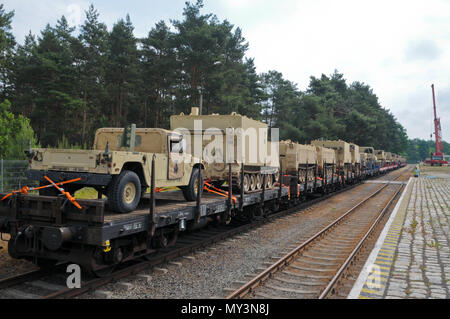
120	166
235	139
297	158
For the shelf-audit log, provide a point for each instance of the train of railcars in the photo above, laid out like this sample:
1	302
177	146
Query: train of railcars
49	229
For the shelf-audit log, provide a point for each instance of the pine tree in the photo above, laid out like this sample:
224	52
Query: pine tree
122	73
160	71
91	59
23	77
7	45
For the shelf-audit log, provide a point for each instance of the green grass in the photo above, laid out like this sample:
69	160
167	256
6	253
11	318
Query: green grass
86	193
435	244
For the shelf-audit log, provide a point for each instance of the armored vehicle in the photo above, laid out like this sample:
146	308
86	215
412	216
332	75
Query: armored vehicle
389	158
343	154
356	159
381	157
364	159
296	159
236	139
354	150
394	158
370	158
326	160
369	151
119	166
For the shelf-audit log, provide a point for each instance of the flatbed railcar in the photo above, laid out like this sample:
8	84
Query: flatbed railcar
48	229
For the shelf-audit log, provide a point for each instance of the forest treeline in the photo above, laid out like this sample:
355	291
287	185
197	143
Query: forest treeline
70	81
419	150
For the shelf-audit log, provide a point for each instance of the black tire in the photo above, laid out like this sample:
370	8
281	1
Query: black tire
189	191
116	192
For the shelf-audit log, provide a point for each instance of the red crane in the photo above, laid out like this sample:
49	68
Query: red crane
437	158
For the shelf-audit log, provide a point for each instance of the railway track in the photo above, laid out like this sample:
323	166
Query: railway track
50	284
314	268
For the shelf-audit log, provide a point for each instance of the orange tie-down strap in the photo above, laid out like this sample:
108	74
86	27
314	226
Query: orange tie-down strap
67	194
210	188
26	189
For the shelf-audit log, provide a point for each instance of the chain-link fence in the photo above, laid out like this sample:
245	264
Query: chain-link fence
12	175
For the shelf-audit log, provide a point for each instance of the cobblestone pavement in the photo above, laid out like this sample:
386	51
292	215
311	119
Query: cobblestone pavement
414	261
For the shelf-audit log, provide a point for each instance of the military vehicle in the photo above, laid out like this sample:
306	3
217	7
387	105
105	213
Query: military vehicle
389	158
369	154
296	159
364	159
235	139
354	150
342	151
381	157
326	160
369	151
119	166
394	158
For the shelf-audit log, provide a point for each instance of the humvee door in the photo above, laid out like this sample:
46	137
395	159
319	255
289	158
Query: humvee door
176	146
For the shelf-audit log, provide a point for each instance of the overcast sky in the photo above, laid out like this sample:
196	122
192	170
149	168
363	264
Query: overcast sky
397	47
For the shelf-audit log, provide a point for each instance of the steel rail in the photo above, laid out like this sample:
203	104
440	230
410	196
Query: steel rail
285	260
28	276
164	257
176	253
98	282
355	251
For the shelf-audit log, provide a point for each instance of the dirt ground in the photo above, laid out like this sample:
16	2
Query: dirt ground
8	265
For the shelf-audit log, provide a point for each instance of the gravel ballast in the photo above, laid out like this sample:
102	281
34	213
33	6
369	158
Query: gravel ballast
229	263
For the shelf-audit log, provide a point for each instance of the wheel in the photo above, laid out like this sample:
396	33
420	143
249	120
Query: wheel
124	192
301	176
276	177
165	240
246	182
269	183
259	181
252	182
190	191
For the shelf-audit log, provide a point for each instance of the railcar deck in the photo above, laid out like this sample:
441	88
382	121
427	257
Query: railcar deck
172	203
96	223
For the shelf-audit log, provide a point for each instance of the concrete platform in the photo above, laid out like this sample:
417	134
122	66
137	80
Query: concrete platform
412	256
